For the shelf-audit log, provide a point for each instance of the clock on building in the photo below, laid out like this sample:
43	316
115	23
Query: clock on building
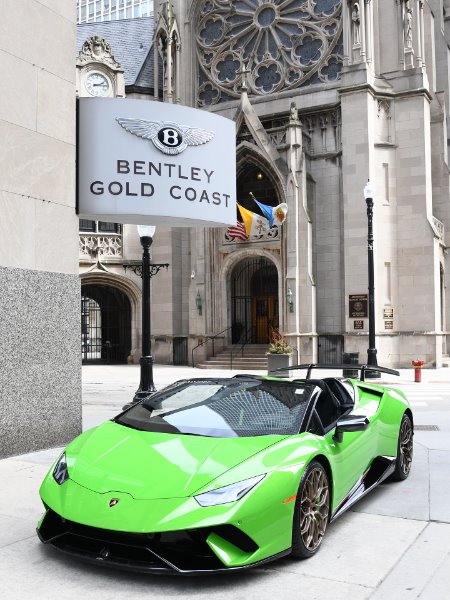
97	84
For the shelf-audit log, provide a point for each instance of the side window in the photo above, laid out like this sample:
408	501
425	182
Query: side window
343	391
351	391
314	425
327	410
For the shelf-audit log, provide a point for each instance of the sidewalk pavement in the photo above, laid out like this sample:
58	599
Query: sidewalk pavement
393	544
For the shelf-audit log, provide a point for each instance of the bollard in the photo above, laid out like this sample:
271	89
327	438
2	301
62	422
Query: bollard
417	364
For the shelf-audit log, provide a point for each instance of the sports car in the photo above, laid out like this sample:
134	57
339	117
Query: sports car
221	474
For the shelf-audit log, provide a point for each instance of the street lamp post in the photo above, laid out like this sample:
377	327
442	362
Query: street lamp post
146	386
146	270
371	351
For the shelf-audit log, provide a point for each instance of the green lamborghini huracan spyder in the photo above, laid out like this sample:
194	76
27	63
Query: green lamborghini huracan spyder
215	475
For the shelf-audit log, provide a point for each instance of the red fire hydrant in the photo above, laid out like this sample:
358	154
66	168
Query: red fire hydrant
417	364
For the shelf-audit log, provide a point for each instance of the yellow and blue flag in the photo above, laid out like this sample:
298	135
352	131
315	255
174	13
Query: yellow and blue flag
273	214
255	225
267	211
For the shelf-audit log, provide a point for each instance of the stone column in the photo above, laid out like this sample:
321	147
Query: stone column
358	165
301	324
346	27
155	70
418	251
368	6
169	70
177	71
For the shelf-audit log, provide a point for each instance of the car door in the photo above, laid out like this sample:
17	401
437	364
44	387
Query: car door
349	458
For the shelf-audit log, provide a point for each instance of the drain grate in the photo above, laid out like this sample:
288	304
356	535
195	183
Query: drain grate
426	428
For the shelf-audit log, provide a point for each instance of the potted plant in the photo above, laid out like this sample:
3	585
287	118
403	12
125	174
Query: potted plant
279	355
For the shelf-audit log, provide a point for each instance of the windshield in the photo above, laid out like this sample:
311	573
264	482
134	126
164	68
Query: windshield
223	408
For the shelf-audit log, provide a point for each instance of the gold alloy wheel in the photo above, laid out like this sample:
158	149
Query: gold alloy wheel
406	445
315	504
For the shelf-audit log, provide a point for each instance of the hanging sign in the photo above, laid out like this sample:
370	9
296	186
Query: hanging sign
147	162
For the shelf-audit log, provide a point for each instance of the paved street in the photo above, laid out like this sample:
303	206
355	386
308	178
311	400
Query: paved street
395	544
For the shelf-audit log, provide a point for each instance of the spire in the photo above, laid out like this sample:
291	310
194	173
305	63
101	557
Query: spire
167	40
170	15
243	88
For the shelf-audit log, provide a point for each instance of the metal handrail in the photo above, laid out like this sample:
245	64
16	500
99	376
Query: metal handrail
207	338
247	340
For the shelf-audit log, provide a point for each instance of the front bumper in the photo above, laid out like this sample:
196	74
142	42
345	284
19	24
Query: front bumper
174	534
184	552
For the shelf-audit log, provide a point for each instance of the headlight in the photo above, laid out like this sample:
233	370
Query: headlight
229	493
60	472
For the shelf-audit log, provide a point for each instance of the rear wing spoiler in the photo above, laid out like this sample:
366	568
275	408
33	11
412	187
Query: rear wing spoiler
362	368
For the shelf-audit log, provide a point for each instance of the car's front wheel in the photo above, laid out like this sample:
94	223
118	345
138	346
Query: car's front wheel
312	508
404	450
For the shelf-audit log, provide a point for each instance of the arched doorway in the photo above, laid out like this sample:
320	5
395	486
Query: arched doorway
254	300
105	324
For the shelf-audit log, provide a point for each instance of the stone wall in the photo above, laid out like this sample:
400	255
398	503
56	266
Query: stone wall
40	376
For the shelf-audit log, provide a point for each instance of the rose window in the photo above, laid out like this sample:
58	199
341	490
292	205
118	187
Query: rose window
283	44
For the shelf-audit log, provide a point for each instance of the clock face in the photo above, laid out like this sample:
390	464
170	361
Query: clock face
97	84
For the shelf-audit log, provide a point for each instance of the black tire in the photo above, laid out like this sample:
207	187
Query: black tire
311	512
404	450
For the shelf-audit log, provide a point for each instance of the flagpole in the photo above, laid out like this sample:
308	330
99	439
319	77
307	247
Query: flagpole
253	197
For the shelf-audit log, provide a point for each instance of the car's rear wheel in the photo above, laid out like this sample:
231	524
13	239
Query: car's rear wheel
312	508
404	450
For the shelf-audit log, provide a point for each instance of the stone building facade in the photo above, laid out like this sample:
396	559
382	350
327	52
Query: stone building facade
325	96
40	374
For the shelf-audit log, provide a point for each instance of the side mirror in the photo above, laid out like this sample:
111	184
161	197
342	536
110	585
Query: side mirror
349	423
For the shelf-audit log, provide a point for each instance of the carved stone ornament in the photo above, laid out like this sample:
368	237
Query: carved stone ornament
272	234
102	246
356	25
285	44
293	113
408	25
383	105
97	49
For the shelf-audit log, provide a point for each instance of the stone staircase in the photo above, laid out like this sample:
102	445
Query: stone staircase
254	358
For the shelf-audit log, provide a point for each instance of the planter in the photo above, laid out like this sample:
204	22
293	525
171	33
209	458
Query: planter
278	361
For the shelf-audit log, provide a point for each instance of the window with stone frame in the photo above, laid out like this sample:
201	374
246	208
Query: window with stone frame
283	44
86	225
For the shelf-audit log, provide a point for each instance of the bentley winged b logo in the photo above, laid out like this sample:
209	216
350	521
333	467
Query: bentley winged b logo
167	136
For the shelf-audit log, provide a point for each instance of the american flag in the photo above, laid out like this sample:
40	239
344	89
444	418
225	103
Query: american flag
237	231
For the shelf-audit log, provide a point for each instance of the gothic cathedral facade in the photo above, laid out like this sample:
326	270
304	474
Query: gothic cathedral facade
326	95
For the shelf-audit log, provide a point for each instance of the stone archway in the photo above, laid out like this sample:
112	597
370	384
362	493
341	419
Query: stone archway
254	304
105	324
109	317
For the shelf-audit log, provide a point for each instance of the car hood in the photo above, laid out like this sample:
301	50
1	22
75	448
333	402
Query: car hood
151	465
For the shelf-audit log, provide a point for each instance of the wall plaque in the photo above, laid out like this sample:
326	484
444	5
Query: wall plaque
388	313
389	324
358	324
357	306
